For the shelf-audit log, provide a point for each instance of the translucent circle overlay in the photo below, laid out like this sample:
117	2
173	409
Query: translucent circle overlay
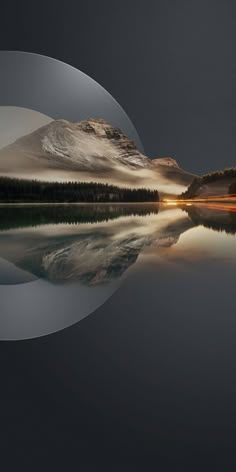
59	91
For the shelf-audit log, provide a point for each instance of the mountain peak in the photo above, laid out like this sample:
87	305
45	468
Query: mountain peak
102	128
90	149
95	127
166	161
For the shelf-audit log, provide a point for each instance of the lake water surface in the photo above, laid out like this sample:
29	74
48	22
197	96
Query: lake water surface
59	263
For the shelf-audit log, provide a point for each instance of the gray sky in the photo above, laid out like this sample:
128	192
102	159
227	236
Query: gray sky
17	121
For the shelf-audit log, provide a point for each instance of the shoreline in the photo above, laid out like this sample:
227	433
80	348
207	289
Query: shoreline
161	202
76	203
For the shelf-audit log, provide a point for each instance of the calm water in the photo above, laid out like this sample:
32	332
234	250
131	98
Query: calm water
59	263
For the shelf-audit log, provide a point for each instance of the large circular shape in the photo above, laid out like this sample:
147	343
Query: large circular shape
35	89
57	90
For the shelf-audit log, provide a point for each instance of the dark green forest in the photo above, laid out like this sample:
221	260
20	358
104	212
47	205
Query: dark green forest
31	216
34	191
209	178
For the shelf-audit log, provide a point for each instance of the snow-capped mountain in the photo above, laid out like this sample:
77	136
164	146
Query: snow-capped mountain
88	150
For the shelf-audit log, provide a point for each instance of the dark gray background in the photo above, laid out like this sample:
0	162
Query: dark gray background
133	383
170	64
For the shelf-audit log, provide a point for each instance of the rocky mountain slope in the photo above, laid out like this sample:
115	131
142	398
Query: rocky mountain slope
88	150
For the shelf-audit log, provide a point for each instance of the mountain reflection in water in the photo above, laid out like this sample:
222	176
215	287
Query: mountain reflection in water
60	263
94	244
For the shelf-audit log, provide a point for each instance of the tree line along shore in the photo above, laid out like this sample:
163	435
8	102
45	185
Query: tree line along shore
14	190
